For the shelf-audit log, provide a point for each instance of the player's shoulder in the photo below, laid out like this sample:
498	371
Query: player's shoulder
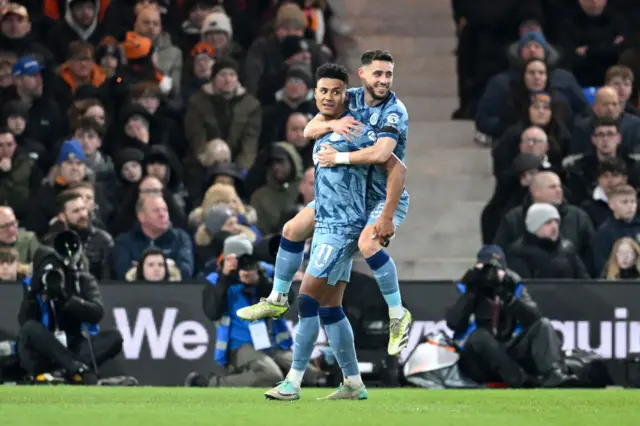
394	104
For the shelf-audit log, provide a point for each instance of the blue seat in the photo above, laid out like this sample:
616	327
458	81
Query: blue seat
590	94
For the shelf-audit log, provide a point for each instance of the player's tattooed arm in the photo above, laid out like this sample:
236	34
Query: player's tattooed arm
347	126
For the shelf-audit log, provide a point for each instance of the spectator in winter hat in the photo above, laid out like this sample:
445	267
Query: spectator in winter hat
204	122
542	252
70	169
197	69
217	31
16	34
109	55
14	117
269	56
196	12
169	57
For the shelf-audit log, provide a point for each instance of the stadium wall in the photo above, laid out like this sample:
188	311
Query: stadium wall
166	334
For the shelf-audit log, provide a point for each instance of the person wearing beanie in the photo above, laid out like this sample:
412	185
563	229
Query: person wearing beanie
109	55
196	12
224	103
494	94
296	96
270	56
575	225
169	57
542	253
70	168
499	329
197	69
129	165
217	31
80	23
14	117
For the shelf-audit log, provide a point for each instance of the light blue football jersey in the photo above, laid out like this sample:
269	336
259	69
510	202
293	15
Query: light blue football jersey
388	119
341	191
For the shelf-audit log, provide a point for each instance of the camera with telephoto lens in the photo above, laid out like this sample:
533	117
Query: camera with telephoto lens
490	280
68	247
52	281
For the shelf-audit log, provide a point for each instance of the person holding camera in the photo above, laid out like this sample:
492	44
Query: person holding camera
499	330
58	317
254	353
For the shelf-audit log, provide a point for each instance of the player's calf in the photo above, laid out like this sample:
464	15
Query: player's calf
386	275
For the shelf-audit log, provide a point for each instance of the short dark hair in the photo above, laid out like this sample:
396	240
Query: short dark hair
9	255
88	124
331	70
82	185
5	130
64	197
375	55
612	165
530	23
605	122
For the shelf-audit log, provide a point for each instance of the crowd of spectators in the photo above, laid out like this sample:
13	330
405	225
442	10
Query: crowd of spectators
553	88
155	128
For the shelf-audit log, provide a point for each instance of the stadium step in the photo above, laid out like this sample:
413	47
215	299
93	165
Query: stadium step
449	177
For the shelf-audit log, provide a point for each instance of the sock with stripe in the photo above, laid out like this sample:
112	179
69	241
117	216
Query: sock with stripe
288	262
386	275
340	336
306	337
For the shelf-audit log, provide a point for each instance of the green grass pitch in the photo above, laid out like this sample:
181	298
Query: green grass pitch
71	406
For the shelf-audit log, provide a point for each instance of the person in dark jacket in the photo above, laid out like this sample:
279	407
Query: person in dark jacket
497	90
611	173
582	169
16	34
607	105
59	304
240	281
96	243
153	229
16	172
517	345
592	39
546	188
621	78
541	253
625	222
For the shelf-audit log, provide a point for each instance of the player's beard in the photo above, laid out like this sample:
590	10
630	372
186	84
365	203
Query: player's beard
373	94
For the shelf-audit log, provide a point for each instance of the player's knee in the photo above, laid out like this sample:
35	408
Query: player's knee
290	232
307	306
367	244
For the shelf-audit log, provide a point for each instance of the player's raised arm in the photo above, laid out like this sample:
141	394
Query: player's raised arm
347	126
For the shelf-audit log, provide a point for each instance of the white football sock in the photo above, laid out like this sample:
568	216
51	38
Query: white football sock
278	298
355	381
396	312
295	377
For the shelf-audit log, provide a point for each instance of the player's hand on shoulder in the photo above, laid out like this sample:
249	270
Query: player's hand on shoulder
327	156
347	127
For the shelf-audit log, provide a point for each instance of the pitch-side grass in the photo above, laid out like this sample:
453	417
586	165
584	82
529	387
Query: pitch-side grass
71	406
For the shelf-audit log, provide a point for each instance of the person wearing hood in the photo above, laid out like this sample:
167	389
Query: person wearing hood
623	202
532	45
15	116
52	318
531	26
79	70
149	24
223	109
281	191
96	243
134	130
295	96
542	253
160	163
16	34
547	188
109	55
198	67
80	23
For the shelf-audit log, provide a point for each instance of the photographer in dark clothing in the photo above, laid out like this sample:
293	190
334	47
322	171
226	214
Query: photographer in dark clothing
500	332
59	315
